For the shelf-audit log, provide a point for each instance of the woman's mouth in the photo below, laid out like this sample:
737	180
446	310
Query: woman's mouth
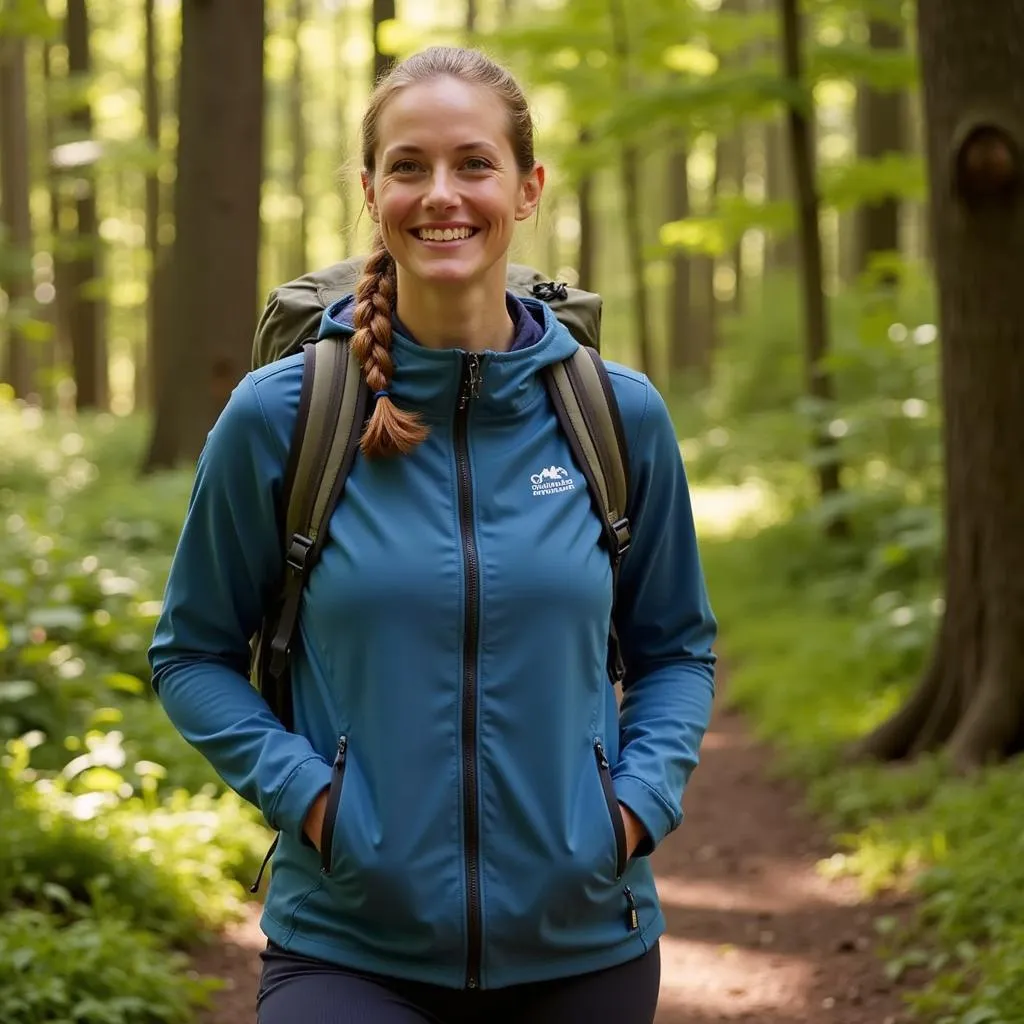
443	235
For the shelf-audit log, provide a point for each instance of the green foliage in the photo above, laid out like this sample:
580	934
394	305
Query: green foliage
119	841
91	971
173	867
815	662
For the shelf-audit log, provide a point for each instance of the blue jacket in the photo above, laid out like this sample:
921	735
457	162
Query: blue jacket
451	676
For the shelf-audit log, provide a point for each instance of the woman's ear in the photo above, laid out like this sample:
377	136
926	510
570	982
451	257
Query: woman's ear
369	193
530	189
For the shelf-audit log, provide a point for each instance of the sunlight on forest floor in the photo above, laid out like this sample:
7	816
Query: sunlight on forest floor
725	510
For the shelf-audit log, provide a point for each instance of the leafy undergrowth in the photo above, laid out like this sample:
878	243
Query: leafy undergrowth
816	658
121	847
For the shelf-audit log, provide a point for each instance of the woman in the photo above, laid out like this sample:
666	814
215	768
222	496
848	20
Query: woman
485	851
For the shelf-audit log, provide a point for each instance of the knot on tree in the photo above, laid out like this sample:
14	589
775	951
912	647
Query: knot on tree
987	164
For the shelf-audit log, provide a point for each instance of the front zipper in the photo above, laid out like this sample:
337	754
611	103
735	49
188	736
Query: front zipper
333	802
604	771
469	389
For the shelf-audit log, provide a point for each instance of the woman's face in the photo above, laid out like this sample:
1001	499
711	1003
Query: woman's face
446	191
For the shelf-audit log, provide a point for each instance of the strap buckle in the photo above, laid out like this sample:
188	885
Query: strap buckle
298	551
623	537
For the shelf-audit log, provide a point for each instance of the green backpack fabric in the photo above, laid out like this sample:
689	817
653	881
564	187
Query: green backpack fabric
333	407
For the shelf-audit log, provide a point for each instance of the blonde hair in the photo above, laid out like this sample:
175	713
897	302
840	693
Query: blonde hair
390	430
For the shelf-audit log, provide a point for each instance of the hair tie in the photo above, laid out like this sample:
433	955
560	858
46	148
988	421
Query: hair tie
382	394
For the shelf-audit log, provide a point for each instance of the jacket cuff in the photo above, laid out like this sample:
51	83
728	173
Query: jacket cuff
654	814
297	795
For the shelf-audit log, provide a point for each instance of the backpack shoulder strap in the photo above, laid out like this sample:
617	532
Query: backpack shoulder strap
588	412
332	408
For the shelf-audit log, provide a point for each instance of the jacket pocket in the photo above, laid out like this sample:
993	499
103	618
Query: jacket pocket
333	804
612	803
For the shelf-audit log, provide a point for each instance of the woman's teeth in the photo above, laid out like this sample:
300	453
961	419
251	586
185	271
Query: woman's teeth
444	234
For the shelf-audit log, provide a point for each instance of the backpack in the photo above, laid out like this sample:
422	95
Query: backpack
333	407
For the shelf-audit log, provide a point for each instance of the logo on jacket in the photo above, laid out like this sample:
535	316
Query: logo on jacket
552	480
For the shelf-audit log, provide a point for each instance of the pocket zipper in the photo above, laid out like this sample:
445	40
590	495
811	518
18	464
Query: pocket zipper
604	771
331	810
632	918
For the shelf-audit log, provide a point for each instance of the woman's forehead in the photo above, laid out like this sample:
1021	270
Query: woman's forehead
442	111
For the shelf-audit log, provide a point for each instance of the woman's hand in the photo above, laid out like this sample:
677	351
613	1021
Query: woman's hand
635	830
313	826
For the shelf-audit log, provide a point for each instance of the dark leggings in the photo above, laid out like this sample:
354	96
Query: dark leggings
297	990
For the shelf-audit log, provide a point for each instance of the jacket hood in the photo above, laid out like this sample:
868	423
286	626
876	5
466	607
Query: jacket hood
428	380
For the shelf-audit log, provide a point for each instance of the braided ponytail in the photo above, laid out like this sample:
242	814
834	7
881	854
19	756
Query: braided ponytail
390	430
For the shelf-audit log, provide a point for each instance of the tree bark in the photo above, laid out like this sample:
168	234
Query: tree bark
383	10
781	251
629	170
146	365
880	131
300	147
86	306
587	260
682	358
217	197
14	195
342	88
59	312
816	326
971	699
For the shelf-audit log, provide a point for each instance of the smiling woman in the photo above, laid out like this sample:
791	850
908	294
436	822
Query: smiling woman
465	810
449	168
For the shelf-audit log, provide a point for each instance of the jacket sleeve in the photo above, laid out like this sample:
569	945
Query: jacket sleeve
666	629
227	561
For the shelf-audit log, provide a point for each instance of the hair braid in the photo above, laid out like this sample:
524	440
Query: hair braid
390	430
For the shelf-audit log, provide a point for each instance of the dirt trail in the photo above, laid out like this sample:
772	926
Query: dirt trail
754	933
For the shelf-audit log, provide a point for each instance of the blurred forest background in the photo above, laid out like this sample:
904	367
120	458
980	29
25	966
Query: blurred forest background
780	207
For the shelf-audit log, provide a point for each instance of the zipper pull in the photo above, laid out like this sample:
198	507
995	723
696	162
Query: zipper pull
339	759
632	918
255	887
471	379
602	758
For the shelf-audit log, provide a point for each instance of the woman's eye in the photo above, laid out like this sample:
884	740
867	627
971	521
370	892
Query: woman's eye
477	163
403	167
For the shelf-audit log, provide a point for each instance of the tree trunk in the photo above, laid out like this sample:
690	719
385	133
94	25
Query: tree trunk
59	312
17	221
629	170
300	147
682	358
145	367
587	261
383	10
86	306
470	17
880	131
731	164
217	196
781	250
343	85
816	327
971	699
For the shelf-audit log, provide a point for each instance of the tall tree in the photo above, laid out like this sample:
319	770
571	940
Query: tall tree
815	316
300	144
217	199
85	301
880	131
629	169
59	311
383	10
156	304
14	196
971	697
587	259
680	328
